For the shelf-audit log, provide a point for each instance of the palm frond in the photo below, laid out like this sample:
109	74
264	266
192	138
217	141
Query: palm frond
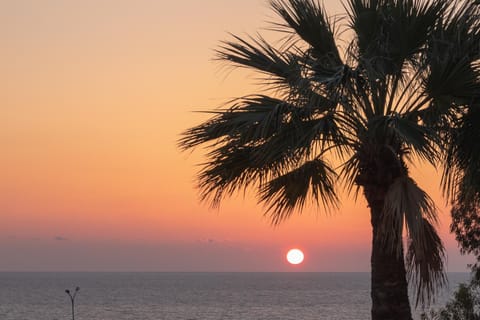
452	81
461	175
307	18
407	204
422	140
290	70
452	55
236	165
322	63
280	67
389	33
300	138
271	125
257	139
349	173
290	191
229	169
252	117
425	266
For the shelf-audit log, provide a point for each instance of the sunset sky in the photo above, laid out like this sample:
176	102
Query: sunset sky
94	95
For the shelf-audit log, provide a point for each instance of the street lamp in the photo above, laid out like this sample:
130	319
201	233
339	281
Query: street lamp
72	299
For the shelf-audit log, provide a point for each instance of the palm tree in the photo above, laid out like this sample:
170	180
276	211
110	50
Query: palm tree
353	116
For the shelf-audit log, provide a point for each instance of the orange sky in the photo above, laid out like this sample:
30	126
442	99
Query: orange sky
94	96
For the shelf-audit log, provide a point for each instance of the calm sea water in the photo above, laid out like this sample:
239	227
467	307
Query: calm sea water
190	296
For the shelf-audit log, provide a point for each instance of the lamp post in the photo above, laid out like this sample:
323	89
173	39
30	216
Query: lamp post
72	299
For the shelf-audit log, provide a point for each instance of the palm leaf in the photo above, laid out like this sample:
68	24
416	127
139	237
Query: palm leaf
389	33
229	169
246	155
461	174
314	178
300	137
309	21
425	266
282	66
252	118
407	204
322	63
421	139
452	55
452	80
349	174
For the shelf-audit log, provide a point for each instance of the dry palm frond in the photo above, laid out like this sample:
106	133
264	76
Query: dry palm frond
425	266
407	204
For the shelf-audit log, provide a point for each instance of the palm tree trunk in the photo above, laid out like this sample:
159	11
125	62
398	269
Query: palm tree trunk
389	288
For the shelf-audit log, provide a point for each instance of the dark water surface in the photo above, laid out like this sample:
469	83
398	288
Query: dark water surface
190	296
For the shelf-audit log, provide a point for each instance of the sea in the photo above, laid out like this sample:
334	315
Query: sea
192	296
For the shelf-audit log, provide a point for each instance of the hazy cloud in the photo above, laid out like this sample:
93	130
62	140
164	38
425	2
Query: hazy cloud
60	238
208	241
217	242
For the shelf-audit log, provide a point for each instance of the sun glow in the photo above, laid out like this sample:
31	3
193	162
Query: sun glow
295	256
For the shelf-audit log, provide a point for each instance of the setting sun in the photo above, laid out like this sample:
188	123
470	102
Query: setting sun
295	256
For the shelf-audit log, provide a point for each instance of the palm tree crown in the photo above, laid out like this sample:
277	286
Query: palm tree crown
404	88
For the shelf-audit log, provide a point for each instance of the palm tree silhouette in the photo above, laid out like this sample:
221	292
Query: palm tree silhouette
402	90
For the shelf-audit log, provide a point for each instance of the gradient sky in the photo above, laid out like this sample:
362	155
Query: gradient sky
94	95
